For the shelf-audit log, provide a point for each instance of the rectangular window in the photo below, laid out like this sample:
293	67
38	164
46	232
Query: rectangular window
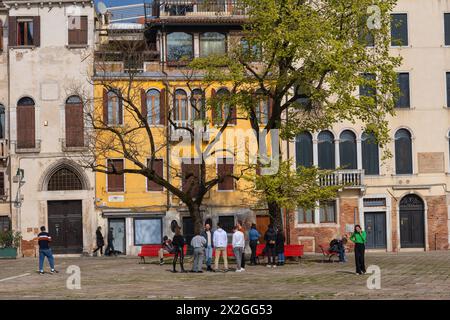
78	30
227	223
190	176
328	212
147	231
305	216
4	223
224	170
2	184
367	90
158	167
374	202
399	29
447	28
403	100
25	32
116	182
448	89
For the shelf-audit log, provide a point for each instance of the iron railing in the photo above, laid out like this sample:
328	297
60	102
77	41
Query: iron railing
162	8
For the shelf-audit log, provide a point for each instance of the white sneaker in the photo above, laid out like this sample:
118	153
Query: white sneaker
269	266
242	269
239	270
274	266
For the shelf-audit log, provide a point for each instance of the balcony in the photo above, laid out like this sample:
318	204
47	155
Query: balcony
176	133
173	9
349	179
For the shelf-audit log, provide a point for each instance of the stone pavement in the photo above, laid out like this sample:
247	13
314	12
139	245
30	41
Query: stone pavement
424	275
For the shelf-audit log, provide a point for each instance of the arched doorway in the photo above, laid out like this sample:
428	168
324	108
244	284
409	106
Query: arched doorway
412	222
65	221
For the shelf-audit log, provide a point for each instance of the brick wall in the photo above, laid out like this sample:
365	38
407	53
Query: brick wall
437	217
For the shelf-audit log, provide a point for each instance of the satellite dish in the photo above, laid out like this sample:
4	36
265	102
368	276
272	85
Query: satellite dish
101	7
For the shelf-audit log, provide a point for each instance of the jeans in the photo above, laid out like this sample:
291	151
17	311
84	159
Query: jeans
198	259
208	255
341	251
238	252
281	257
271	252
253	245
359	257
223	252
46	253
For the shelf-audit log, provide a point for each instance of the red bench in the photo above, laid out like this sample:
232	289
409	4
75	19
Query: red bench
327	253
290	250
152	250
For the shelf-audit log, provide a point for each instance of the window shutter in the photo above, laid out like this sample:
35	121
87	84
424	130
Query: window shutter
1	35
223	170
2	183
72	31
115	181
12	31
74	125
25	127
83	33
105	106
162	107
37	31
119	94
144	110
188	169
270	111
214	108
158	166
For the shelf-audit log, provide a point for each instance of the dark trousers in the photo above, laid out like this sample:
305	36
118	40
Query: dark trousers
178	253
359	258
110	249
253	244
271	253
243	259
99	248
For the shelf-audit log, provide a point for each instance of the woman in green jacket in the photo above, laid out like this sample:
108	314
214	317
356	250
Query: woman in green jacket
359	239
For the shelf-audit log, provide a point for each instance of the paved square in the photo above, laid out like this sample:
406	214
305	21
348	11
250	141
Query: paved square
424	275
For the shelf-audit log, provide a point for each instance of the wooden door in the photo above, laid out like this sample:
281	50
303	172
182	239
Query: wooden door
262	223
375	227
412	224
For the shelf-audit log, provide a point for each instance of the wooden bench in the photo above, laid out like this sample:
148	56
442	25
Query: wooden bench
152	250
327	253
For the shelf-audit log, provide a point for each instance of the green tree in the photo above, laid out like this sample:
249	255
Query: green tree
309	58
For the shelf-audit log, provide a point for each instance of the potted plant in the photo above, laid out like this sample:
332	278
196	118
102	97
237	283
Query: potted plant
9	243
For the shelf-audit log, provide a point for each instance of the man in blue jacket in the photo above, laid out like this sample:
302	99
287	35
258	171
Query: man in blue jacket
253	236
208	235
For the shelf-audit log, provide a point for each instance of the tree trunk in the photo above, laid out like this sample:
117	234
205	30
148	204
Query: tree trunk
275	215
197	218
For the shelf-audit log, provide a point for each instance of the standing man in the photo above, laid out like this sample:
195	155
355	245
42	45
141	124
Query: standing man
241	228
198	243
220	240
45	251
110	247
208	235
238	247
253	236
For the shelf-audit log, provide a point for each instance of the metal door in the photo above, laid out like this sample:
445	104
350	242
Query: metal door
375	227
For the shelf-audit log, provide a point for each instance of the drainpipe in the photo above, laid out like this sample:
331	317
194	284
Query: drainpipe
9	168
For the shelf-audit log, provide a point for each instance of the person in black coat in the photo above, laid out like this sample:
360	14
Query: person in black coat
280	247
178	245
100	241
270	237
110	248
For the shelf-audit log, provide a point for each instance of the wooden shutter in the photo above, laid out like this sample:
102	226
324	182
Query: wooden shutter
105	106
72	31
2	184
74	125
12	31
25	127
144	110
158	166
1	35
233	119
83	32
120	115
224	169
115	181
37	31
214	108
162	107
193	171
270	111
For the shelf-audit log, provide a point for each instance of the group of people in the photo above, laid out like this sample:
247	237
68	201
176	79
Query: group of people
207	241
101	243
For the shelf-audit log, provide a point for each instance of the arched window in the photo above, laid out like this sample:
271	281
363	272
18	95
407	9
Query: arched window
403	152
304	150
64	179
347	150
74	122
370	154
181	106
198	104
180	46
26	137
212	43
326	150
262	107
222	109
115	108
2	122
153	106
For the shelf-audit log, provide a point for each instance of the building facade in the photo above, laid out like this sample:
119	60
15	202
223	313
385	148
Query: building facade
49	45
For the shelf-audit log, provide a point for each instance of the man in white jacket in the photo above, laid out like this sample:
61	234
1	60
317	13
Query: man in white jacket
220	240
238	247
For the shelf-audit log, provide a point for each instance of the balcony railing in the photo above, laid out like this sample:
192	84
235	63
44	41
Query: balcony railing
350	179
176	132
178	8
